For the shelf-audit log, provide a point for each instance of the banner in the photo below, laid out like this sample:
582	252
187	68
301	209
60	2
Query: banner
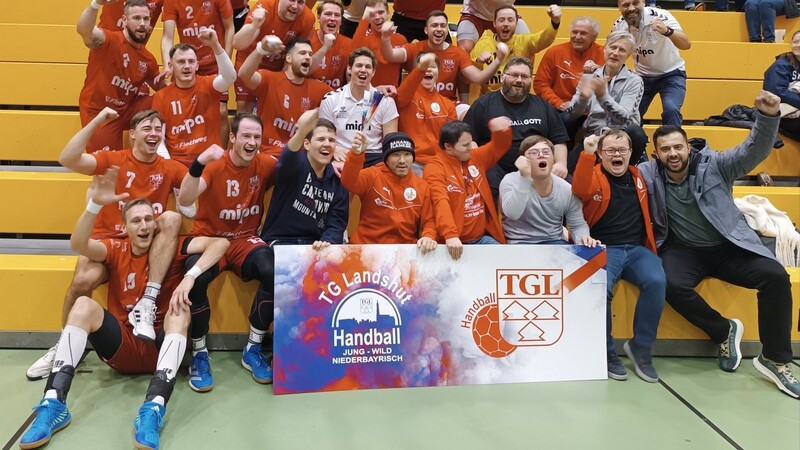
379	316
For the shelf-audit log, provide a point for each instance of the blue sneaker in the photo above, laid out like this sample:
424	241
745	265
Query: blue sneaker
200	379
147	425
52	416
255	361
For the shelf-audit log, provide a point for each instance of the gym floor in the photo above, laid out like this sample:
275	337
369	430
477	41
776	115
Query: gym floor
695	405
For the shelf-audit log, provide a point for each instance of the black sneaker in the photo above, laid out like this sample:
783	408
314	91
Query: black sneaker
642	362
616	371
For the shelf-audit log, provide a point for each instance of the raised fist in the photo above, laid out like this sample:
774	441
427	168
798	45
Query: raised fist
499	123
554	11
259	15
768	103
107	115
590	143
328	40
212	153
387	28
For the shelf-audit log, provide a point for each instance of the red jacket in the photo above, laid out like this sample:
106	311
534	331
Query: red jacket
394	210
591	186
444	175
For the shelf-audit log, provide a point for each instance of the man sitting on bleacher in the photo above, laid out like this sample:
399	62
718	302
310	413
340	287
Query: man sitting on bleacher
108	330
144	174
119	66
656	58
701	233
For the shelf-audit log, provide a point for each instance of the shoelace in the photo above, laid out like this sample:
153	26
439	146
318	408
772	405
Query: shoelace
47	418
724	349
149	414
261	360
201	365
786	371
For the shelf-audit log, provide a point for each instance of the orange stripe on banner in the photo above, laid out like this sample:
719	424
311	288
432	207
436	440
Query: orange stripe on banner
577	278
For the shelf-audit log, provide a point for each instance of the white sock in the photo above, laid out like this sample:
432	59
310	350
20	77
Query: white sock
70	347
151	291
51	393
171	354
256	337
160	400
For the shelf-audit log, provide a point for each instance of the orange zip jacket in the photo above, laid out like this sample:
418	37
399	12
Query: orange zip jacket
394	210
422	114
444	175
560	70
591	186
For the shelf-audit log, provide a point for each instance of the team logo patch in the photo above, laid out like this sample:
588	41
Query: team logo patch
252	184
473	171
435	107
142	68
289	35
305	103
449	65
193	101
410	194
207	8
155	180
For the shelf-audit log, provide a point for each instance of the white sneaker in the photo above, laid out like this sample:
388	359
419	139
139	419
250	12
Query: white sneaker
42	367
142	317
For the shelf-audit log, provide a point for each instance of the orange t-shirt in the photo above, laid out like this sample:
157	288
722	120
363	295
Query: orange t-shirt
386	73
422	114
115	73
394	210
274	25
233	203
154	181
281	103
451	61
111	15
332	68
191	118
193	16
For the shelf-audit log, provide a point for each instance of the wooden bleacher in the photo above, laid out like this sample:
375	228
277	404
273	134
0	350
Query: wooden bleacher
46	74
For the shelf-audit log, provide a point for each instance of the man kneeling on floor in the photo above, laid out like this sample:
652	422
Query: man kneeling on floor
109	331
701	233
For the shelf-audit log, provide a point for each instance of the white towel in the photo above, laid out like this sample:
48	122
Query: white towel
769	221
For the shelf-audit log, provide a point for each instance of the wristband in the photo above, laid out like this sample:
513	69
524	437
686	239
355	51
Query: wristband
95	6
669	32
93	207
196	169
194	272
261	50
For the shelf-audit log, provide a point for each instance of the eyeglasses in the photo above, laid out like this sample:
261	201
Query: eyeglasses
611	151
535	153
521	76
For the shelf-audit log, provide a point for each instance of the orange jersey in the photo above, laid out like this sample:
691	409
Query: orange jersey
233	203
451	61
394	210
115	73
274	25
111	15
422	114
386	72
127	279
281	103
193	16
333	66
154	181
191	118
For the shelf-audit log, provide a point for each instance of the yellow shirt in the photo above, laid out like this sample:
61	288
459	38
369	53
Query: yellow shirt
519	45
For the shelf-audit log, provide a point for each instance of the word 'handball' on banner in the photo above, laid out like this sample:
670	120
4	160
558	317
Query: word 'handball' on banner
363	317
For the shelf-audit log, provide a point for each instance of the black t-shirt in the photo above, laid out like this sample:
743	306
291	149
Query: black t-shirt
532	116
623	222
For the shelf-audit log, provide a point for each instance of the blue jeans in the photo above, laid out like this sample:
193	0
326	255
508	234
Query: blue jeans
485	239
672	88
760	18
640	266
